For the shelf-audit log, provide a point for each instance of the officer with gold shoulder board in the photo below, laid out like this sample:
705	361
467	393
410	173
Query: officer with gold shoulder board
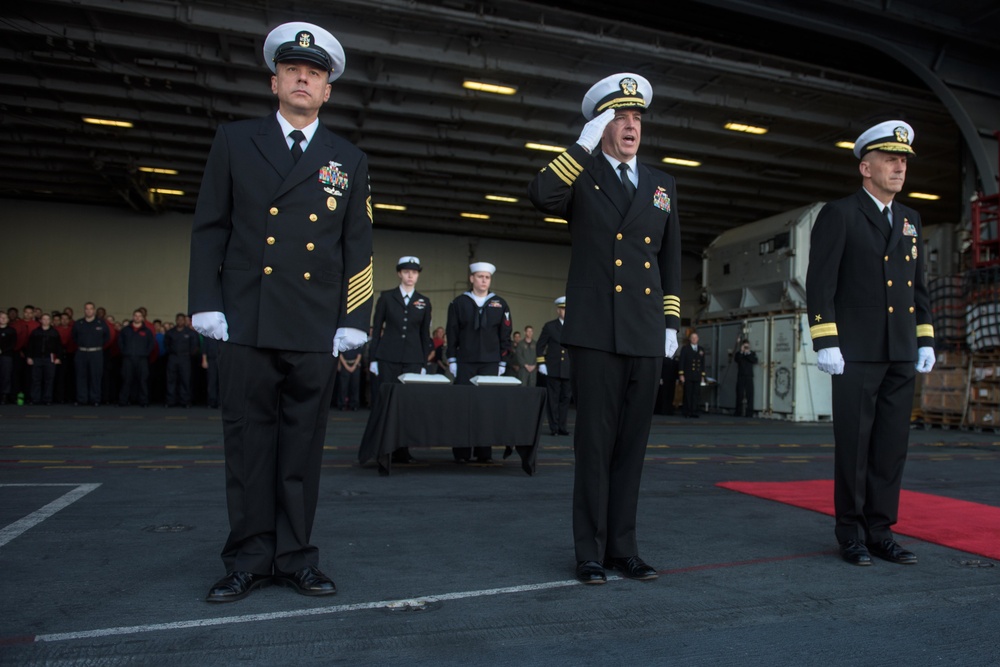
871	329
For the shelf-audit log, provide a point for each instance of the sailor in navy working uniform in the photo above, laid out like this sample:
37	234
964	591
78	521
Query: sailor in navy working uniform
623	289
401	336
281	271
871	328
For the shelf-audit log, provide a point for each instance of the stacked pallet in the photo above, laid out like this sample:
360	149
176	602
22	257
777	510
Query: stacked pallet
944	394
984	391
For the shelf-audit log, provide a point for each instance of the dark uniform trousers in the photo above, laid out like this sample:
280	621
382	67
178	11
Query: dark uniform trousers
89	371
866	296
557	383
180	347
43	373
744	382
135	376
283	249
693	368
272	490
622	292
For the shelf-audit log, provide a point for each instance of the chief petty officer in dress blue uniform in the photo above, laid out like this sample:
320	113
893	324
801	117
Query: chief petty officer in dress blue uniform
553	363
281	269
623	287
401	337
871	327
478	333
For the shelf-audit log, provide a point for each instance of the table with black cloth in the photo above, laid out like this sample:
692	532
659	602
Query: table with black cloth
426	415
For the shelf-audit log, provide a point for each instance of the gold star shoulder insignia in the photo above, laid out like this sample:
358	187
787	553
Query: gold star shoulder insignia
819	318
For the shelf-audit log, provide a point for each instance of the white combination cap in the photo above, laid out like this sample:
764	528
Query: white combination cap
892	136
306	42
618	91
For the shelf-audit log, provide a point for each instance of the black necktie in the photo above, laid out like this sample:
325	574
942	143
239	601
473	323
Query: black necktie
888	219
626	181
297	138
406	299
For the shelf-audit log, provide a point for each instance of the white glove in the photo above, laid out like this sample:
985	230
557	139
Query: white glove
925	359
373	368
212	324
542	369
590	138
502	368
830	360
453	368
423	371
347	338
670	346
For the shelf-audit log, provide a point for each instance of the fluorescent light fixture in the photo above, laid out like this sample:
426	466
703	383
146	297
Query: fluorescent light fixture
504	198
849	145
483	87
391	207
166	191
107	122
558	221
475	216
158	170
924	195
544	147
681	162
743	127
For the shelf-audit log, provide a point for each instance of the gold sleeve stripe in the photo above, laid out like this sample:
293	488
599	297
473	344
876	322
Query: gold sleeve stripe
368	205
557	169
572	166
540	360
821	330
360	288
671	305
670	298
925	331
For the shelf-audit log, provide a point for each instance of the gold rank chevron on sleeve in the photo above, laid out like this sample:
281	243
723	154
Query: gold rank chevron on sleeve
671	305
360	288
566	168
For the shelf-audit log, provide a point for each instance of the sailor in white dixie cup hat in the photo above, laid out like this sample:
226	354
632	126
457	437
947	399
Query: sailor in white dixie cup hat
623	287
282	227
871	326
478	333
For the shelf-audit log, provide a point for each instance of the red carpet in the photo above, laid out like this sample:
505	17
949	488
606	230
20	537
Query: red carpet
957	524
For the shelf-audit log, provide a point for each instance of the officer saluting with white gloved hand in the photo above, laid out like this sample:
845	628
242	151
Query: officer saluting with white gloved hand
871	327
281	270
624	294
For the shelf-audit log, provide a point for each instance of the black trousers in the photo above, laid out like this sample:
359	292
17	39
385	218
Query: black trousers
43	373
692	394
466	371
558	392
212	378
615	395
349	389
135	374
178	379
6	374
744	390
275	406
89	371
871	429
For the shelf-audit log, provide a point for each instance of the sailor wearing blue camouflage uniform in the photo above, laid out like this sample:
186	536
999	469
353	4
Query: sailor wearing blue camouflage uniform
871	328
281	270
623	289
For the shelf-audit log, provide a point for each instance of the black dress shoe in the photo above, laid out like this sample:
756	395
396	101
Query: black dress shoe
483	459
402	455
855	552
590	572
236	586
888	549
307	581
563	431
632	567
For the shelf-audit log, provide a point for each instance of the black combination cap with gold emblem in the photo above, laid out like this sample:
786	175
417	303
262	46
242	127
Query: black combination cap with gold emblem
305	42
891	136
618	91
